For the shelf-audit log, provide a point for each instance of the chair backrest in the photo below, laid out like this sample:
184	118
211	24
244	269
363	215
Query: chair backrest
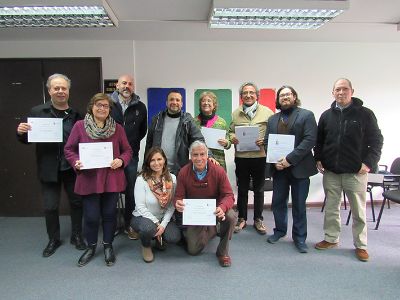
395	167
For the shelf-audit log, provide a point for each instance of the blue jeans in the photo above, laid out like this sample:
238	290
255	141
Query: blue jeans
130	175
96	206
282	181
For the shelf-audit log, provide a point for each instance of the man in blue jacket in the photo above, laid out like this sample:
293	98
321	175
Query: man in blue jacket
293	170
131	113
349	145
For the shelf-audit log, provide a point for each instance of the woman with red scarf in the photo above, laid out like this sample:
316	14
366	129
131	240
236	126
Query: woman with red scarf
154	190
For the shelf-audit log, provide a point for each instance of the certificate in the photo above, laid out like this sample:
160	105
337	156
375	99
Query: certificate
247	136
95	155
45	130
199	212
279	145
212	135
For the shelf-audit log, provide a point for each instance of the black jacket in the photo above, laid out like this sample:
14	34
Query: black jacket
134	120
186	134
348	138
50	156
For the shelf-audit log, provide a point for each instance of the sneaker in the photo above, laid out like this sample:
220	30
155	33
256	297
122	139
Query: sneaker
323	245
301	247
132	234
362	254
259	226
224	261
241	223
272	239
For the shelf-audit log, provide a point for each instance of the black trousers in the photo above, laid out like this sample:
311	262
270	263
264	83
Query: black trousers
254	168
51	192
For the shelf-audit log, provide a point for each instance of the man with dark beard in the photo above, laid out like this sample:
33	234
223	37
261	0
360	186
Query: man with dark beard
292	171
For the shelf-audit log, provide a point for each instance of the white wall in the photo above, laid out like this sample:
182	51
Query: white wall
117	56
310	67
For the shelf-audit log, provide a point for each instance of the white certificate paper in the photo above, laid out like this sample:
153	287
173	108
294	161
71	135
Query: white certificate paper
95	155
45	130
199	212
279	145
247	136
212	135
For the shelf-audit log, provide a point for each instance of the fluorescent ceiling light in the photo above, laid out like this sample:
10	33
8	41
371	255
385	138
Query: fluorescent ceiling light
57	16
268	14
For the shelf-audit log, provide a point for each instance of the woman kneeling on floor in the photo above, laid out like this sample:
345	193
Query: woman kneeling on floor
154	190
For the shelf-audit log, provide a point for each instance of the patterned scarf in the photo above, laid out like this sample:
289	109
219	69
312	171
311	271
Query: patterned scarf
204	119
161	189
97	133
250	110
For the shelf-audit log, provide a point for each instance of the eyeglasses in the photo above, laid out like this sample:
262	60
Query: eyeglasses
285	95
251	93
103	106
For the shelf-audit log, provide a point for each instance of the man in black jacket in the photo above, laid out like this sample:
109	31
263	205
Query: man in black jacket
349	145
131	113
53	169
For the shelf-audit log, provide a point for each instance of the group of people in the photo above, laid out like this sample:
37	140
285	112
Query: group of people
178	165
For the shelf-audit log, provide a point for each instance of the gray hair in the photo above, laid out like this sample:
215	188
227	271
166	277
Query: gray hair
56	75
249	84
345	79
196	144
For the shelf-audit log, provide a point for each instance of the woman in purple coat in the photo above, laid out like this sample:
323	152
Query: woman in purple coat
99	187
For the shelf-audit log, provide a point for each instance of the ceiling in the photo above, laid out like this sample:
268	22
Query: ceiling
175	20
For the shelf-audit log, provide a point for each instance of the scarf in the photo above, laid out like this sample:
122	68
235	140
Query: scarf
97	133
204	119
250	110
161	189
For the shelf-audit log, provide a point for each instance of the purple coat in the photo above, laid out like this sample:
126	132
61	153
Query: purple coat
98	181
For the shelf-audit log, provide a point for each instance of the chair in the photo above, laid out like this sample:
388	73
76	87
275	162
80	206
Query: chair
374	180
389	195
390	182
344	200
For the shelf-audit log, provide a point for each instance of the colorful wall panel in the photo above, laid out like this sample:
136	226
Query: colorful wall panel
224	98
157	99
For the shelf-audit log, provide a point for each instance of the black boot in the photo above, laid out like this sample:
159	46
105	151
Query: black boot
78	241
87	255
51	247
109	256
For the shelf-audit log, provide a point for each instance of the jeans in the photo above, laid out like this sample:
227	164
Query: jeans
147	229
51	192
130	175
96	206
282	181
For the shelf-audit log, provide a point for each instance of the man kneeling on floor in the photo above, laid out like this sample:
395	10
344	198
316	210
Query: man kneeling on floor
202	180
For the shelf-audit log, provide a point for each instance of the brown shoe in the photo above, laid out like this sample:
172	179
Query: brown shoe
132	234
323	245
241	223
147	254
362	254
259	226
224	261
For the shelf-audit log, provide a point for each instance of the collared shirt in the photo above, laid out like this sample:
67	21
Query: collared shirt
341	107
200	175
124	103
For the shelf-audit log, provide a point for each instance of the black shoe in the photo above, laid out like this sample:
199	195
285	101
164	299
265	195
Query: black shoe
272	239
51	247
87	255
78	241
301	246
109	256
161	246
